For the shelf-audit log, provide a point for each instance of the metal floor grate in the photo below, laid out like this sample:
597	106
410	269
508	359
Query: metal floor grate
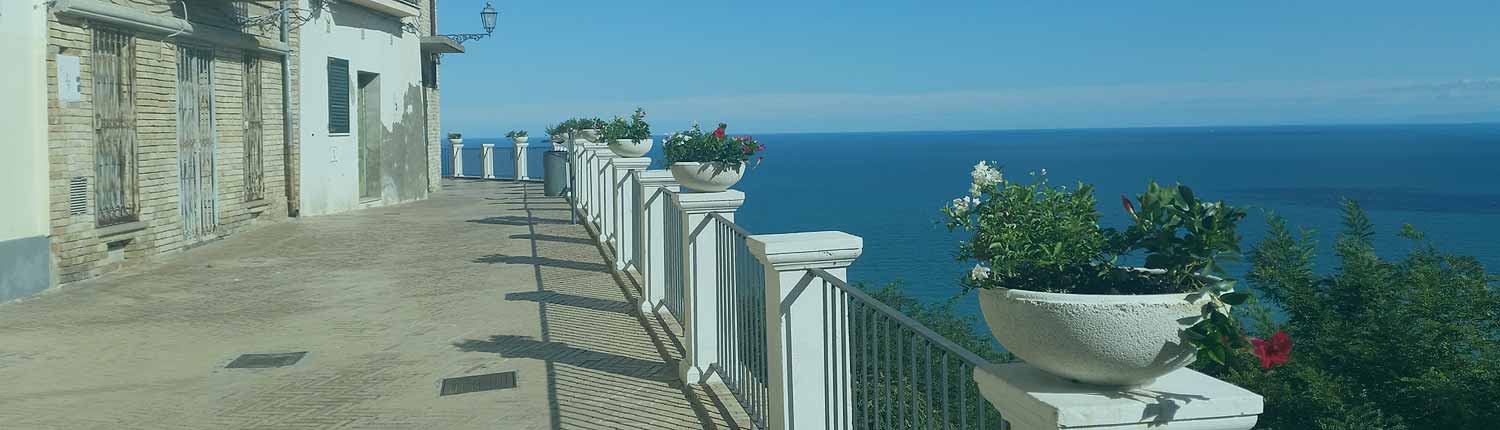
486	382
260	361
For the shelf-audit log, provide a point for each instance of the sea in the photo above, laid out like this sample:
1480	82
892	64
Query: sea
886	187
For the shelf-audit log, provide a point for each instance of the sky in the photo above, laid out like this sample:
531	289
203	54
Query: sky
888	65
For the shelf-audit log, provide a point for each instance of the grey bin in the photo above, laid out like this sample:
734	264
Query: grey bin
554	173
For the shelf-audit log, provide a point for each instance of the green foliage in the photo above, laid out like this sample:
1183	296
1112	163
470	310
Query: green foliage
694	145
636	129
515	134
1412	343
453	136
576	124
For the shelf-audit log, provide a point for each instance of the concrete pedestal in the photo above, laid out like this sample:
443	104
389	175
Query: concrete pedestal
1031	399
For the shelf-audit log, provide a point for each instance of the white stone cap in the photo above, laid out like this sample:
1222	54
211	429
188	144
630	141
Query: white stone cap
1031	399
458	144
487	145
631	163
811	250
649	177
722	201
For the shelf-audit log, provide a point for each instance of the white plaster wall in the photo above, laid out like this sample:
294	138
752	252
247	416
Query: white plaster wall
23	117
330	163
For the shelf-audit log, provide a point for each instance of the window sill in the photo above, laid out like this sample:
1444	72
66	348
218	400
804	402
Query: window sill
121	229
257	205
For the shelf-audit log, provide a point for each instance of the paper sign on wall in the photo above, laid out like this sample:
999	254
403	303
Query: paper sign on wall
69	83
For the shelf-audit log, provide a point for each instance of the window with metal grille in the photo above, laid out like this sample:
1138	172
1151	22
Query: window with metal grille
114	127
255	187
338	95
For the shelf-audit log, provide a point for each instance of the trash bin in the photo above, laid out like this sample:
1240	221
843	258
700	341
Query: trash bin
554	173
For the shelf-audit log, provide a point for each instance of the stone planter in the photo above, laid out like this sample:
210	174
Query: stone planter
629	148
591	135
1109	340
706	177
557	141
520	140
459	141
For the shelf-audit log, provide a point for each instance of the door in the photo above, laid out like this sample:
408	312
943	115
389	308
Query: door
198	196
370	135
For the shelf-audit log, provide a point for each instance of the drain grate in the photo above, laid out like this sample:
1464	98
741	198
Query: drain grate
470	384
260	361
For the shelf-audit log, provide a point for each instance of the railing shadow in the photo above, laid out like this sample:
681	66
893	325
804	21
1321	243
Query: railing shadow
517	220
542	261
555	298
556	352
554	238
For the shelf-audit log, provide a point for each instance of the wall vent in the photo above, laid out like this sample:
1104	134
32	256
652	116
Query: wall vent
78	195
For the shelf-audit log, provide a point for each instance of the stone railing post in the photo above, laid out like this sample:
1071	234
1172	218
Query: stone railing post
603	198
805	327
521	172
622	224
458	160
655	188
1030	399
487	160
700	309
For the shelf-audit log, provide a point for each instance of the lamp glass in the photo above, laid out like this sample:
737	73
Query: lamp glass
488	16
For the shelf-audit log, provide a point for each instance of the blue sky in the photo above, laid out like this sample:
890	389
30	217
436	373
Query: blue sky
812	65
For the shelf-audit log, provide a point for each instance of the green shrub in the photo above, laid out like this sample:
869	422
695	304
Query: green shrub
1411	343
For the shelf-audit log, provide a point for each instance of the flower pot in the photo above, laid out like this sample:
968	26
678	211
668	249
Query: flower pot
1109	340
456	141
520	140
706	177
591	135
630	148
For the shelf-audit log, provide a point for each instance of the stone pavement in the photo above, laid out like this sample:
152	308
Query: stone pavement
483	277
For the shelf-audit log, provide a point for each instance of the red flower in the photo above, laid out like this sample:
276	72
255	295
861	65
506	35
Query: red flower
1272	352
1128	206
720	132
746	149
761	148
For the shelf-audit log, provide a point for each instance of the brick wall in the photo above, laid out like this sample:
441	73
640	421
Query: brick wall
435	136
81	249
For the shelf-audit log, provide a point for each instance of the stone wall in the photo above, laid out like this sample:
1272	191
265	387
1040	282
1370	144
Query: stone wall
83	250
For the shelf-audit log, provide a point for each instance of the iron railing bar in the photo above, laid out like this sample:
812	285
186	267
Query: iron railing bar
915	326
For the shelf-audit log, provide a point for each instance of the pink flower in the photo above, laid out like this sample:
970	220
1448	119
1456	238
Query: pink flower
746	149
761	148
1272	352
758	160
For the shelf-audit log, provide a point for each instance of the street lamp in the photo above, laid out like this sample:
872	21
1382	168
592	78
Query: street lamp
486	18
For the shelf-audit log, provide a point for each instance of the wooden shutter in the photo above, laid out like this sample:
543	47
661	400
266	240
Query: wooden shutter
338	95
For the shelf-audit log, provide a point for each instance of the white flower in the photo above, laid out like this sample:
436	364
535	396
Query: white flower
980	273
984	175
962	205
1044	172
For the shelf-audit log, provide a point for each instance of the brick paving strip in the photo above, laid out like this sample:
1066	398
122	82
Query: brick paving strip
484	277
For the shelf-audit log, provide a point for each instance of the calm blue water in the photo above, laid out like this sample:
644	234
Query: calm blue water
887	187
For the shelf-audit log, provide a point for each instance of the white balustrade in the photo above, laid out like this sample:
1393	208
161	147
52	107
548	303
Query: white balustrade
807	328
623	210
458	160
602	172
520	158
700	308
487	160
655	188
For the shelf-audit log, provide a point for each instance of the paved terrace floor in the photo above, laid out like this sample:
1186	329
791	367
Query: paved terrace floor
483	277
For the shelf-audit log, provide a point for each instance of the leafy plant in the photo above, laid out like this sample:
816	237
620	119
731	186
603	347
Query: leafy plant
1381	344
1041	237
455	136
637	129
515	134
556	132
694	145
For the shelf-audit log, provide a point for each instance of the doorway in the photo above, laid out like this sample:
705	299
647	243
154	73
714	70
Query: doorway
371	133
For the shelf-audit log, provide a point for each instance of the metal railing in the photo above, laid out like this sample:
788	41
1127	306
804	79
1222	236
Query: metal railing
902	375
675	292
741	286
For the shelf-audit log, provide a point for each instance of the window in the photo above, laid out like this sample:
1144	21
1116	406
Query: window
114	127
338	95
255	187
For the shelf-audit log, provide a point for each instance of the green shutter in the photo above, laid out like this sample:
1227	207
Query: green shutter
338	95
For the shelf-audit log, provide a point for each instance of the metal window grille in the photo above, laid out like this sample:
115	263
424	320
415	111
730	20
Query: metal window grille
255	187
115	192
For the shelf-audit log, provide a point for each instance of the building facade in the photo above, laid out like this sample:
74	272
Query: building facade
166	126
366	138
25	255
